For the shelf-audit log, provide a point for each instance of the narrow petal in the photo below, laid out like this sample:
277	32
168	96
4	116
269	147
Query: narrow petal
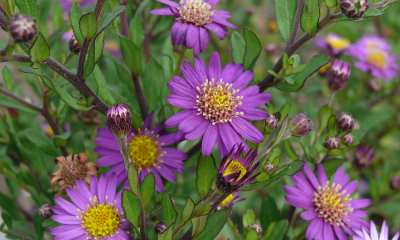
247	130
169	3
243	80
214	67
181	102
198	131
177	118
308	215
192	36
220	31
162	11
254	114
256	100
201	69
204	39
209	139
321	175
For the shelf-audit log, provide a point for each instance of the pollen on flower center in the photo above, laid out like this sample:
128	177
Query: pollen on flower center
330	205
377	58
217	102
338	44
100	220
144	150
196	12
235	167
226	201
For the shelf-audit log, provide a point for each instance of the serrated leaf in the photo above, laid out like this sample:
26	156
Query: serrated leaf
8	78
147	189
310	16
104	92
238	48
88	25
42	142
269	211
253	49
132	207
133	179
214	224
31	8
285	11
187	210
168	210
75	14
40	51
205	174
153	79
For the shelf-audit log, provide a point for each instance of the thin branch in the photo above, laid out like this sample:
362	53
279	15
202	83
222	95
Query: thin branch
15	58
99	7
3	21
144	109
31	106
124	21
296	23
82	58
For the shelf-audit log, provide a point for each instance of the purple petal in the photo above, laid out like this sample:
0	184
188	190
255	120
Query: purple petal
340	233
192	36
350	188
311	177
222	21
177	118
166	173
314	227
170	3
198	131
67	206
77	198
181	102
191	75
162	11
243	80
322	175
246	129
359	203
204	39
214	67
308	215
181	90
254	114
255	100
201	69
209	139
219	30
111	159
178	33
213	3
222	13
67	219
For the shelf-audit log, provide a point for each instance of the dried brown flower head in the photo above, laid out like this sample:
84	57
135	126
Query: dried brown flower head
72	168
90	117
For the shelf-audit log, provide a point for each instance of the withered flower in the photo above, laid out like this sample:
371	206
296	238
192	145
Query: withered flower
90	117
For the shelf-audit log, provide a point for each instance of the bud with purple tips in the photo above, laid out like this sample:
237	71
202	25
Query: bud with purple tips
119	120
271	122
301	125
354	8
348	139
345	122
160	227
364	157
74	45
257	227
45	211
332	143
23	28
338	75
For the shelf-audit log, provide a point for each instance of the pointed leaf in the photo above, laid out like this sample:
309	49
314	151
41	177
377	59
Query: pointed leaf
133	179
187	210
147	189
285	11
205	174
75	14
238	47
214	224
131	206
168	210
40	51
269	212
310	16
253	49
42	142
88	25
8	78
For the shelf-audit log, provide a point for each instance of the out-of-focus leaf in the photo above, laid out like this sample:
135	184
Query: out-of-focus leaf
77	142
133	179
312	66
110	18
31	8
7	220
187	210
136	29
199	224
285	110
153	78
372	12
88	25
99	45
40	51
131	206
104	92
285	11
75	14
205	174
269	211
147	189
252	234
310	16
214	224
133	55
166	235
42	142
8	205
38	221
238	48
62	139
253	49
260	125
11	103
323	116
279	230
267	233
8	78
289	150
248	218
168	210
332	126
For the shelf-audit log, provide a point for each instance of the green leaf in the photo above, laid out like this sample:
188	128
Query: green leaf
312	66
62	139
40	51
199	224
153	79
331	165
205	174
279	230
289	150
132	207
133	55
147	189
168	210
285	11
7	204
8	78
90	60
253	49
88	25
77	142
11	103
38	221
31	8
267	233
285	110
238	47
166	235
310	16
42	142
252	234
323	116
332	3
332	126
248	218
111	17
99	45
269	211
7	220
136	30
288	170
187	210
214	224
133	179
75	14
104	93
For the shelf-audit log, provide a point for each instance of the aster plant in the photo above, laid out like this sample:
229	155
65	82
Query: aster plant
153	142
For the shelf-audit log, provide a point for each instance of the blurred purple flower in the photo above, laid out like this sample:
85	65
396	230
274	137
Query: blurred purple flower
364	157
66	4
216	101
47	130
384	235
193	20
333	43
230	200
374	56
148	153
329	207
111	46
67	35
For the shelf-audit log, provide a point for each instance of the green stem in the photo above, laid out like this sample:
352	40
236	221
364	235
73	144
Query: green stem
125	152
234	230
180	60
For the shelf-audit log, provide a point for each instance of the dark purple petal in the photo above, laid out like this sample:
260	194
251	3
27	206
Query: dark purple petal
201	69
309	215
254	114
109	143
191	75
328	232
243	80
230	137
221	146
222	21
77	198
94	185
178	35
181	90
256	100
190	123
147	121
300	202
159	183
110	159
209	139
198	131
166	173
167	139
252	90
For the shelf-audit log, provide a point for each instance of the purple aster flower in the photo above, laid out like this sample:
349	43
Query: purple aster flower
193	20
216	102
148	153
66	37
230	200
374	56
94	213
329	207
333	43
384	235
364	156
235	171
112	47
66	4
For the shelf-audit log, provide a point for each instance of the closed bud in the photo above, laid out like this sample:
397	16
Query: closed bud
354	8
373	85
348	139
250	10
332	143
45	211
270	169
74	45
338	75
345	122
395	183
301	125
23	28
270	49
119	120
271	122
257	227
160	227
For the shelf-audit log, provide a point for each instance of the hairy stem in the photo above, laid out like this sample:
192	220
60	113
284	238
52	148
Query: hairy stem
99	7
296	23
82	58
124	21
125	152
15	58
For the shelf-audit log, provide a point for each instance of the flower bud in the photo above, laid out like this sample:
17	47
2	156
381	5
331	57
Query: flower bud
332	143
119	120
270	169
373	85
345	122
354	8
45	211
74	45
348	139
395	183
301	125
160	227
270	49
255	226
250	10
23	28
271	122
364	157
338	75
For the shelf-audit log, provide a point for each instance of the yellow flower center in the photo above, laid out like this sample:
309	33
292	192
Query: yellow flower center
325	68
217	102
111	46
377	58
226	201
330	205
338	43
144	150
100	220
196	12
235	167
49	131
